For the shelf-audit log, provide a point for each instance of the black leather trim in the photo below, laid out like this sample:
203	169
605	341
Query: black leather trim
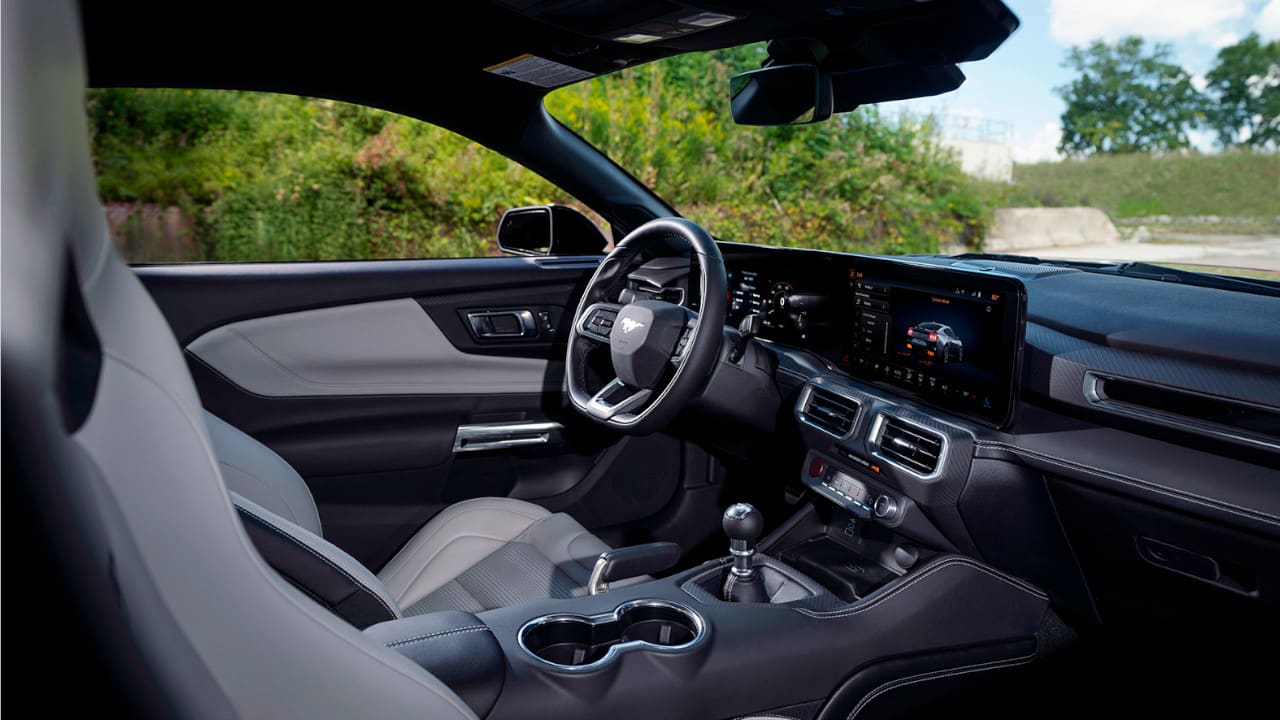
904	583
79	355
1165	491
324	581
866	693
454	646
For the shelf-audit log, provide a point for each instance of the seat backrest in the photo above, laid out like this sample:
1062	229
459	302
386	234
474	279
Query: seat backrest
105	419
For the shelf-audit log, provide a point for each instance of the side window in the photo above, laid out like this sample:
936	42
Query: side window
216	175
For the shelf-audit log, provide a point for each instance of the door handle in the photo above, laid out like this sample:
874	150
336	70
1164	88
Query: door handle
493	324
502	436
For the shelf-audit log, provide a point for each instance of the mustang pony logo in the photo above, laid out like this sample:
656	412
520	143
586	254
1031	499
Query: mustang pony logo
628	325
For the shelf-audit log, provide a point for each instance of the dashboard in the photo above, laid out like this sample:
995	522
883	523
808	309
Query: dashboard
948	338
1110	439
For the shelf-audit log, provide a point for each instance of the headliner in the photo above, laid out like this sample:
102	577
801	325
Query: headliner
430	64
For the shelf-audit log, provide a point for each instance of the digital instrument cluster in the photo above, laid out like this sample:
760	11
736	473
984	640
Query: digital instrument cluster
792	307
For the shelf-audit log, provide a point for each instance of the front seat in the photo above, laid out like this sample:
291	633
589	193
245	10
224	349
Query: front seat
475	555
106	439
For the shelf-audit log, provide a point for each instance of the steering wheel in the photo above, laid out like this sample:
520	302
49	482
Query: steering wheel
661	353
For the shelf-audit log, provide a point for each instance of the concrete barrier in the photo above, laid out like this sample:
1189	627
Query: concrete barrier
1020	229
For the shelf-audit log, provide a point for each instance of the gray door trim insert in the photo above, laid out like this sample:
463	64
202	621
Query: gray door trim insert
389	347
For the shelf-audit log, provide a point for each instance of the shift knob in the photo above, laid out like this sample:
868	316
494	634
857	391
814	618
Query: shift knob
742	521
743	524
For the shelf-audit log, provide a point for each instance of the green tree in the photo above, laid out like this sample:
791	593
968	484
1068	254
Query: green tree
1127	98
1244	85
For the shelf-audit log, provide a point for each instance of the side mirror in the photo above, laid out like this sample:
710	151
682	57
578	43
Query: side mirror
549	230
781	95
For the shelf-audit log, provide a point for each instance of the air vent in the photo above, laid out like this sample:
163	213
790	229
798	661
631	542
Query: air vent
829	412
909	445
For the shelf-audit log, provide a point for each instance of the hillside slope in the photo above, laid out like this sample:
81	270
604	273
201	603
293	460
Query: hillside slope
1240	187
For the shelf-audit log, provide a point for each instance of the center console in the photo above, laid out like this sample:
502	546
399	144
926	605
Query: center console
686	646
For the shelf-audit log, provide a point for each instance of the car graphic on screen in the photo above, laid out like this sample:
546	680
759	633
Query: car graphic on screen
935	341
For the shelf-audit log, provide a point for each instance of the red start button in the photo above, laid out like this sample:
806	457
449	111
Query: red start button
817	468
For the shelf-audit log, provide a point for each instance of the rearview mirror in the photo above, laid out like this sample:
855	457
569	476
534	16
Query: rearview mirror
549	230
781	95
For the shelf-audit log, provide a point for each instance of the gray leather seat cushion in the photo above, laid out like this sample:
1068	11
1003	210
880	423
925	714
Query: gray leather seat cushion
488	553
475	555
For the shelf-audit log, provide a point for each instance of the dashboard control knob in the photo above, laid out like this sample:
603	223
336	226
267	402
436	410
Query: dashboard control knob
885	507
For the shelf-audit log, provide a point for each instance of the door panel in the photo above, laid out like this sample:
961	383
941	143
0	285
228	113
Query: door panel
197	297
360	374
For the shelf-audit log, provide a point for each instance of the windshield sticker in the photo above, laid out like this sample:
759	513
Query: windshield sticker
538	71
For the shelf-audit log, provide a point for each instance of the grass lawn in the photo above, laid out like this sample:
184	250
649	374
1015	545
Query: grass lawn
1242	188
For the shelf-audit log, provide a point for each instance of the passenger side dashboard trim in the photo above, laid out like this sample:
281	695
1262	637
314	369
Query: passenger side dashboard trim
1095	393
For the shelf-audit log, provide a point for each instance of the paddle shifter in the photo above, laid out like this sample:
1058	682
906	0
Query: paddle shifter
743	524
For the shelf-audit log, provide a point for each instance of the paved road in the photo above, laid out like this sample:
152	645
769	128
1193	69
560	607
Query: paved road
1243	251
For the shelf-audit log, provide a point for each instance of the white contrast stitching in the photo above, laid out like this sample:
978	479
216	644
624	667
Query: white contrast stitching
1137	482
432	636
952	561
935	675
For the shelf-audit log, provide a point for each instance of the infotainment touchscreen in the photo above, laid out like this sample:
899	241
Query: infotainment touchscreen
947	337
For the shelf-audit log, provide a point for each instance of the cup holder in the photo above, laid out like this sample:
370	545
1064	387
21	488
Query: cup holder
578	643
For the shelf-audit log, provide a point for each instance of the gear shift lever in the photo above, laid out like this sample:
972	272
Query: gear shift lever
743	524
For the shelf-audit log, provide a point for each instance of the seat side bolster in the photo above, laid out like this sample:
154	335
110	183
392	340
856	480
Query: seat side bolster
317	567
257	473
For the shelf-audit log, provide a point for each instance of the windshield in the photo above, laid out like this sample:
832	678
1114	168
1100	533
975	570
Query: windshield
1092	134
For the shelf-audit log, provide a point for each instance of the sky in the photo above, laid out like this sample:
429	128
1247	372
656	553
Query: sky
1015	84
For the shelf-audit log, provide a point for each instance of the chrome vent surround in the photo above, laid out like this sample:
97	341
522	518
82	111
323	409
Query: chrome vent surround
828	411
908	445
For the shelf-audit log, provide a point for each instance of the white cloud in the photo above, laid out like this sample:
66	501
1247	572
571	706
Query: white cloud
1042	147
1222	40
1199	82
1268	23
1076	22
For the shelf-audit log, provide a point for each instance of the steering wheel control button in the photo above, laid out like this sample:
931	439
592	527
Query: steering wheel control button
886	508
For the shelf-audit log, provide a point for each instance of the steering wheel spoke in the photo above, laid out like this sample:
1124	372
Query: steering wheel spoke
602	406
682	346
596	322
